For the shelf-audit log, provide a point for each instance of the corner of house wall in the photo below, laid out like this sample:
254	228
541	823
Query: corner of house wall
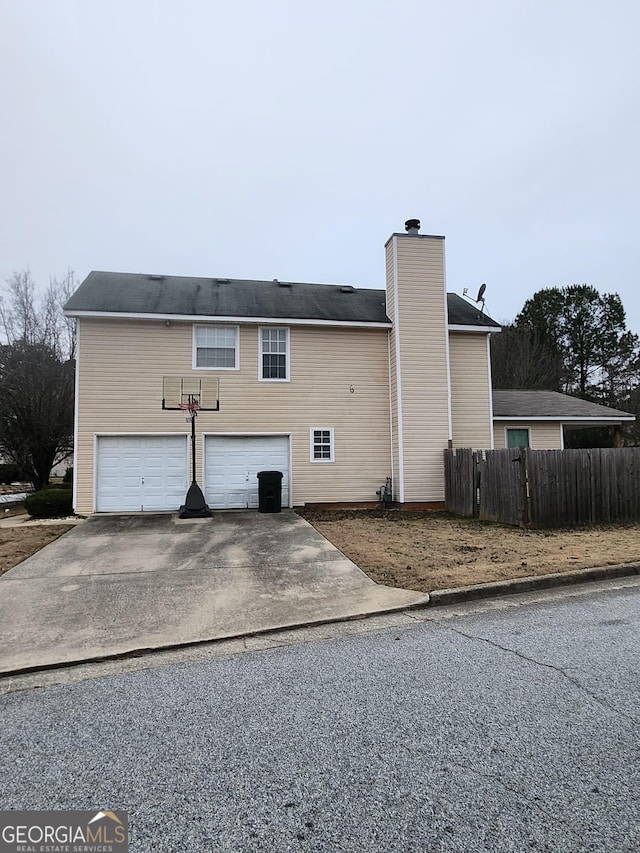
491	434
76	395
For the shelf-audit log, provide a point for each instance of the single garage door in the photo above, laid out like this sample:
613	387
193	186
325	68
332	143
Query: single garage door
141	472
232	463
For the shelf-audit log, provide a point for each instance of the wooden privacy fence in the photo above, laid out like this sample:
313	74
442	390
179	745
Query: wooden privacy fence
544	488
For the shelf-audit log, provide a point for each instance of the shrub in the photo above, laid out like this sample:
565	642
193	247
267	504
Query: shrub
49	503
68	476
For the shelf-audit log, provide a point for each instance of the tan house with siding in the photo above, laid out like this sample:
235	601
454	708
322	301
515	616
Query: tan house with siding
337	387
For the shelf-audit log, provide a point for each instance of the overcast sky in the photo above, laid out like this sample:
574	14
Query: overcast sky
282	139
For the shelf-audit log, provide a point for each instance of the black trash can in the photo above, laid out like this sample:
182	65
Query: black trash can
269	491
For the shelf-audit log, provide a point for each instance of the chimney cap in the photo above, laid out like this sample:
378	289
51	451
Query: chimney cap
412	226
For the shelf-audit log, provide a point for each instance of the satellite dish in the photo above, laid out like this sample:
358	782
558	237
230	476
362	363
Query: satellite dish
480	296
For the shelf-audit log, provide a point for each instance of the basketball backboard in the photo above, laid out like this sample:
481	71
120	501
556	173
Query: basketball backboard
178	390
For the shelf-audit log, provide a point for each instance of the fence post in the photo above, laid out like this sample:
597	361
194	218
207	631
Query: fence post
476	483
524	487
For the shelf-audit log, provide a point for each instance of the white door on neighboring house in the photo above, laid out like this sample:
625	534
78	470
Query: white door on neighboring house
232	463
141	472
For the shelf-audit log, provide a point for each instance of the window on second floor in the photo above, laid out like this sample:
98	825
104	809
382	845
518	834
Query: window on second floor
216	347
274	353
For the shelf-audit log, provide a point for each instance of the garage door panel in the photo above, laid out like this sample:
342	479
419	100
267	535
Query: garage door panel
175	481
129	482
231	499
232	464
141	473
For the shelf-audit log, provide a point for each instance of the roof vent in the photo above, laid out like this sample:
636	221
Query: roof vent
412	227
283	283
346	288
157	277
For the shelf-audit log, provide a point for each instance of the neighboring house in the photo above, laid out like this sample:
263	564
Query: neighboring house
538	419
337	387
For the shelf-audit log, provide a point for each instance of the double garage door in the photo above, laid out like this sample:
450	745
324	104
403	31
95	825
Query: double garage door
150	473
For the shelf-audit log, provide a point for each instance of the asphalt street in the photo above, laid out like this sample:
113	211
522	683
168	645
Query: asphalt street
510	727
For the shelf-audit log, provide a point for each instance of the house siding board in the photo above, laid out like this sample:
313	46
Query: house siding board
123	363
425	384
470	392
543	436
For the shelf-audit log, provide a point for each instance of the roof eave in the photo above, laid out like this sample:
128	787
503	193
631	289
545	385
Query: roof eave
460	327
204	318
573	419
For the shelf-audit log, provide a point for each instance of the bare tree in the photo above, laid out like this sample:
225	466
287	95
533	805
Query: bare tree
37	366
34	320
520	358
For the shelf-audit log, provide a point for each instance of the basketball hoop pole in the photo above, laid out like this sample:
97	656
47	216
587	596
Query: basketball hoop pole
194	414
194	505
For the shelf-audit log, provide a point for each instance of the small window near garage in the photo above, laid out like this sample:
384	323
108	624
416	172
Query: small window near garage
322	444
216	347
518	437
274	353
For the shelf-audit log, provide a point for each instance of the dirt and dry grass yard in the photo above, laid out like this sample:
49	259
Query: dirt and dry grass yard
417	550
426	551
18	543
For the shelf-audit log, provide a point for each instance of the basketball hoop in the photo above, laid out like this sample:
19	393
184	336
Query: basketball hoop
188	395
190	410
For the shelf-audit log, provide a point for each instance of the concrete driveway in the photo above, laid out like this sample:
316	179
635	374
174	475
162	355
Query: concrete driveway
118	584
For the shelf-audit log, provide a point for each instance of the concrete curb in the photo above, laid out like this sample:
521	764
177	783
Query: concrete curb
143	651
440	597
436	598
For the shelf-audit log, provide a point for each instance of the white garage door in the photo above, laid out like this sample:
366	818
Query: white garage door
141	472
232	463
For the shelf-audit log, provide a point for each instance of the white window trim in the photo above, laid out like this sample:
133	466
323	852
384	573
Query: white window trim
194	345
506	435
332	457
288	359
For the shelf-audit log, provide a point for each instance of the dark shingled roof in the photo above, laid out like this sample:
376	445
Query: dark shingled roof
464	313
134	293
549	404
